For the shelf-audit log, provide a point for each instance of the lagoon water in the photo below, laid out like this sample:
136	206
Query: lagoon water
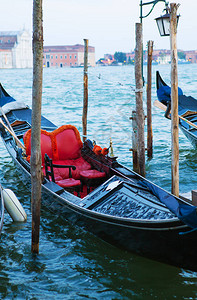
72	263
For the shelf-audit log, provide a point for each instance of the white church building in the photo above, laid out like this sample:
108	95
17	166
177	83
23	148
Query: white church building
15	49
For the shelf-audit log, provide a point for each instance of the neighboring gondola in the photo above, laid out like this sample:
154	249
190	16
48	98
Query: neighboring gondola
113	202
187	109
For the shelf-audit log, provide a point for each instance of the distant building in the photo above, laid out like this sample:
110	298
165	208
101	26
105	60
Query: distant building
164	59
130	57
67	56
15	49
108	60
191	56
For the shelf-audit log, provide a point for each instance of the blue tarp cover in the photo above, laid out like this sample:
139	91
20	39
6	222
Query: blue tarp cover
164	92
185	212
4	100
187	104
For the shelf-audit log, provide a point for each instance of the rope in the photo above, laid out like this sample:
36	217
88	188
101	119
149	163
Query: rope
117	83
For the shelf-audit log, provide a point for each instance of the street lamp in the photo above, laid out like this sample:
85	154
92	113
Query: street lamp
163	24
167	26
153	5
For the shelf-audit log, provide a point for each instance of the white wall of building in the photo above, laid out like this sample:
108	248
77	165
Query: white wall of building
91	59
20	56
165	59
22	52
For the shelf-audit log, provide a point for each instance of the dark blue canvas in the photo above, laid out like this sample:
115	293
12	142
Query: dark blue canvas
164	93
4	100
185	212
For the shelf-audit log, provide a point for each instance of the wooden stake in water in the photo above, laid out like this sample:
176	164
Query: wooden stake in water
174	99
134	143
111	148
85	90
149	102
36	123
139	99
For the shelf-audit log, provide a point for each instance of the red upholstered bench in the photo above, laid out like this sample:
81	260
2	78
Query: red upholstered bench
92	178
70	184
63	147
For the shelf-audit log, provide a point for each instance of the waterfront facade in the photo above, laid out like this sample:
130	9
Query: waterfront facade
15	49
191	56
67	56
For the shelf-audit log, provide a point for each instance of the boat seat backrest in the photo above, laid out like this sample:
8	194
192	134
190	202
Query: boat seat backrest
68	143
64	143
46	145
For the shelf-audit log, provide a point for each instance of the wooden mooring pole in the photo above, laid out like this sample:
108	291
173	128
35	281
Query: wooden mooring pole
139	100
149	102
85	90
134	143
174	100
36	123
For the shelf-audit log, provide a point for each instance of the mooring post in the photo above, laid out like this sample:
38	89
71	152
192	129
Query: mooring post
36	123
149	102
174	100
139	100
194	197
85	90
134	143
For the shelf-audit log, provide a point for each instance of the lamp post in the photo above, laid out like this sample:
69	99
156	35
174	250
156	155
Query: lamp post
160	20
153	3
139	153
167	26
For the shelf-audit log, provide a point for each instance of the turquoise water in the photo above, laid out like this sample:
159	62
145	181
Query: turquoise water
73	264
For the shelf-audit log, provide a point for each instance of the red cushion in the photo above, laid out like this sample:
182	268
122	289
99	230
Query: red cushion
69	147
69	182
46	146
79	163
92	174
61	144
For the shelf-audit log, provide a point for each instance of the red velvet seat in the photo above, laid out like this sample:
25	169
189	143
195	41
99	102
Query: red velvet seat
92	178
69	182
63	146
92	174
79	163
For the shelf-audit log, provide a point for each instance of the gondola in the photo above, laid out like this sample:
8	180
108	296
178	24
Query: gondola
187	109
84	185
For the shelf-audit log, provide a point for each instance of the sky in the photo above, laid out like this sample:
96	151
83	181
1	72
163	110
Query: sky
109	25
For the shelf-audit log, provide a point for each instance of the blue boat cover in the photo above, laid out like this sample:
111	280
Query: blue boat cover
4	100
187	104
164	92
185	212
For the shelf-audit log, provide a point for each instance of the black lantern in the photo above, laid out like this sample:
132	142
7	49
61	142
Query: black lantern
163	24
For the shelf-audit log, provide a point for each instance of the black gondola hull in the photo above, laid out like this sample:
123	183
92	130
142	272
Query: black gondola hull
120	211
170	242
